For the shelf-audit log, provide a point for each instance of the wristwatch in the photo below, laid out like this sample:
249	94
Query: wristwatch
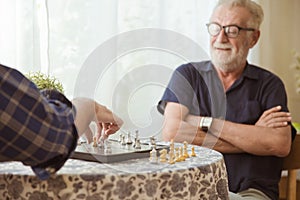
205	123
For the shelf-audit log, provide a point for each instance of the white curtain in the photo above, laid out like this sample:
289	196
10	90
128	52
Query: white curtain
119	52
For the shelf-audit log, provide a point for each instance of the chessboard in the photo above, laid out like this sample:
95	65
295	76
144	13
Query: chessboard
117	152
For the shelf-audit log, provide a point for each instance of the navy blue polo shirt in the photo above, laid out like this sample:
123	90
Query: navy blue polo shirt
197	86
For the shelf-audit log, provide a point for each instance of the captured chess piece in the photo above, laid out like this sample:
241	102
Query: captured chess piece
177	156
171	157
181	156
163	155
185	151
153	156
95	142
193	154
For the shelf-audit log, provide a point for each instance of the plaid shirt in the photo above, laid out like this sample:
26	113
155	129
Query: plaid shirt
36	128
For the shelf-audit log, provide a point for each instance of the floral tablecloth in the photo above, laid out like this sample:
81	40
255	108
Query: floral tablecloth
202	177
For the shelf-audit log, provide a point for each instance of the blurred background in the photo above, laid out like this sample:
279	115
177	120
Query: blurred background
122	52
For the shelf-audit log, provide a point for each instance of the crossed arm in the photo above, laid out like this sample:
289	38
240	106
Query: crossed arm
271	135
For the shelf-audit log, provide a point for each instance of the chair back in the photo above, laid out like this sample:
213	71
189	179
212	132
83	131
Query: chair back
292	161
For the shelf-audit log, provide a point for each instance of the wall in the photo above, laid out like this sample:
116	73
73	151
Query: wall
280	35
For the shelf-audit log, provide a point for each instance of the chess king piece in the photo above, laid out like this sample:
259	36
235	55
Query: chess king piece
153	156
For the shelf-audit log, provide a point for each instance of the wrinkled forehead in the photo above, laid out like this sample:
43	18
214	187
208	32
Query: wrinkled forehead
227	15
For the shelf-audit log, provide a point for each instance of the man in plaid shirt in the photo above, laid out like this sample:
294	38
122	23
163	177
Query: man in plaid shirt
41	128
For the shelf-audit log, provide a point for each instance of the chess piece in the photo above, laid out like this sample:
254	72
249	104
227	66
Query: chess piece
129	141
152	143
136	138
120	138
185	151
193	154
138	144
101	142
177	157
153	156
123	140
95	142
107	146
171	157
163	155
181	156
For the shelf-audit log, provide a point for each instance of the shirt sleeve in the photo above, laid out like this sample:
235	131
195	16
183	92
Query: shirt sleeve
36	128
179	89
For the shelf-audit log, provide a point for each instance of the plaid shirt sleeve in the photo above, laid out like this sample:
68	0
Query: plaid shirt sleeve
36	128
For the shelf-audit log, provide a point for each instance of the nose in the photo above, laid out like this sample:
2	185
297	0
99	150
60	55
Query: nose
221	37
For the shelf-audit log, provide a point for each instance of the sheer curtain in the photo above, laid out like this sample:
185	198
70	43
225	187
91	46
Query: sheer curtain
120	52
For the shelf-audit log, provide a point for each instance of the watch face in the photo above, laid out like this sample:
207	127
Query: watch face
206	123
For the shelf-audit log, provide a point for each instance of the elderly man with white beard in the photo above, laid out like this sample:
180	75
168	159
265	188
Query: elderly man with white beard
232	106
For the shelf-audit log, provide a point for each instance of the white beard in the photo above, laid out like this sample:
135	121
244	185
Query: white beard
228	61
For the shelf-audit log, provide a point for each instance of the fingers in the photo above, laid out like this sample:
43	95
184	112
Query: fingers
105	115
274	118
89	135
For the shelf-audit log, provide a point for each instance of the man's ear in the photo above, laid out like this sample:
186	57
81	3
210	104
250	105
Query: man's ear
255	37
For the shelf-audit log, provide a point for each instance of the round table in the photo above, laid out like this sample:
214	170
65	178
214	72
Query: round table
200	177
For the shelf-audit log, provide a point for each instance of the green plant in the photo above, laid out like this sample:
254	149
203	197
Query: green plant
44	81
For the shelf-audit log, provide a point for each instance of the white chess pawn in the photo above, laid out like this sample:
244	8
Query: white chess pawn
138	144
136	137
107	146
123	140
129	141
153	156
101	142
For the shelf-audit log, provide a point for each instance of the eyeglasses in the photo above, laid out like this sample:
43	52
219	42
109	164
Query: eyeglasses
231	31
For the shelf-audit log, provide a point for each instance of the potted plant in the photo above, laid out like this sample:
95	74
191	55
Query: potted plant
44	81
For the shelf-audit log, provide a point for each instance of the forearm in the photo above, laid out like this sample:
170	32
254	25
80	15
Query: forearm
181	131
276	141
85	113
